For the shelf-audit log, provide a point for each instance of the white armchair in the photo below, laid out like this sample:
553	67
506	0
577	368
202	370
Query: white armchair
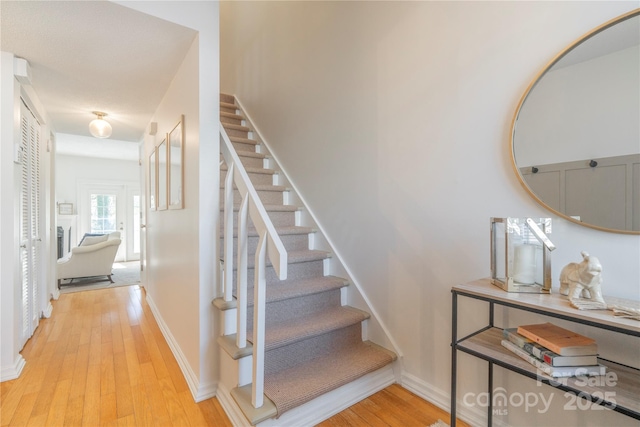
93	258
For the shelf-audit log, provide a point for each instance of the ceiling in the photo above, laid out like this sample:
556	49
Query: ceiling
94	56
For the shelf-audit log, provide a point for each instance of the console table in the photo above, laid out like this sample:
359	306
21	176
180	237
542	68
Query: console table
485	344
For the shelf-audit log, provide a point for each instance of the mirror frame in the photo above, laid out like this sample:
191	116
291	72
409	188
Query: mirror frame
532	85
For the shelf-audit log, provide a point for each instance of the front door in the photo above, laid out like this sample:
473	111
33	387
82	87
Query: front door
105	208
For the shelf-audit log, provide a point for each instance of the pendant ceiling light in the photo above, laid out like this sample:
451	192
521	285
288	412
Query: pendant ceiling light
99	127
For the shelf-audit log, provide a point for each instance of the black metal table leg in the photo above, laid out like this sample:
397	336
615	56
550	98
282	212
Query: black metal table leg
454	356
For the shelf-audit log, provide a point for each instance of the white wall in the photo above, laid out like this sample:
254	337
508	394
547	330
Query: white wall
393	119
180	245
71	170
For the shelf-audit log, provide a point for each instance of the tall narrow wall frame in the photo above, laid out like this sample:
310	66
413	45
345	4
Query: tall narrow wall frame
162	174
175	140
153	180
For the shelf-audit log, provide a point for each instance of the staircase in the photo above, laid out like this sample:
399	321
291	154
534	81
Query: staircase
313	341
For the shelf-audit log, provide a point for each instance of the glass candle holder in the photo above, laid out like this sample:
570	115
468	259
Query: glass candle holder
520	254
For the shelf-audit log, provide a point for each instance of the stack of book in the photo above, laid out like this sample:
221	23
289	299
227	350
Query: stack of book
555	351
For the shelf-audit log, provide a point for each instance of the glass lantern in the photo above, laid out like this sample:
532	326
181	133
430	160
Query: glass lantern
520	254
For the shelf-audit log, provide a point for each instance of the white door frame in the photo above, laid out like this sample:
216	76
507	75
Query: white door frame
125	223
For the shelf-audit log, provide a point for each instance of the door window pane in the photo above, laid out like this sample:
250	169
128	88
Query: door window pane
136	224
103	213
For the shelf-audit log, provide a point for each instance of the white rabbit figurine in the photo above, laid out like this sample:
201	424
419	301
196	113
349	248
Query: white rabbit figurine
582	283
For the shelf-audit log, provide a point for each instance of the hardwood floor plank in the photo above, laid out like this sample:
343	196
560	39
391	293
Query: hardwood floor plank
73	415
12	399
368	417
44	399
142	407
91	408
192	411
156	357
95	346
116	332
108	411
23	411
58	406
176	412
124	399
152	389
141	347
37	420
68	363
128	421
79	379
213	413
133	364
107	374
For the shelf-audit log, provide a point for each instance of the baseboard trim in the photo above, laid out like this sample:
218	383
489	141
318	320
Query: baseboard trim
46	313
441	399
199	391
12	372
230	407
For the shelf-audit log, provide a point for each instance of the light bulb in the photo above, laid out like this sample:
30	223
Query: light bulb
99	127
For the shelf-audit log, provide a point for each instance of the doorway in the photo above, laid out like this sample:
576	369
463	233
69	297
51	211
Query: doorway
105	208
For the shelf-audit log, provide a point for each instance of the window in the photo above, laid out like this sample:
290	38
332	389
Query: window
103	213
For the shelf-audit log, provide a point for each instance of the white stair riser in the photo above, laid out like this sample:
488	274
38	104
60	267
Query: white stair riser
266	196
292	242
297	271
279	219
255	177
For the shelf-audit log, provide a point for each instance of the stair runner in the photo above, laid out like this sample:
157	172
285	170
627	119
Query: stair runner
313	343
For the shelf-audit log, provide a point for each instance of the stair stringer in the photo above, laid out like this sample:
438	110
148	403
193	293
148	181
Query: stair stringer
374	328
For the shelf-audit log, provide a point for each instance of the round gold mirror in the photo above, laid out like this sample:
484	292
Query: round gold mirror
575	140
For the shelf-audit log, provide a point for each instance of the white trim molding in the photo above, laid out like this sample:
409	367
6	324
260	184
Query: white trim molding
442	399
199	391
12	372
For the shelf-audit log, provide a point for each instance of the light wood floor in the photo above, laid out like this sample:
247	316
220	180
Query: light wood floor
102	360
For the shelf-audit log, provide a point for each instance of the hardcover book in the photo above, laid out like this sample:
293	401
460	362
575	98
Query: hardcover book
545	354
555	371
559	340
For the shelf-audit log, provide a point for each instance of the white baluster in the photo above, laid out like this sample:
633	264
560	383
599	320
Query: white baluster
228	233
241	285
259	297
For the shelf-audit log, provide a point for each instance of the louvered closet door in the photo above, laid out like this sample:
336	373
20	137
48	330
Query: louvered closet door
30	222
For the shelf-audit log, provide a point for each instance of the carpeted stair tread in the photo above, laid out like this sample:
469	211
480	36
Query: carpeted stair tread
262	187
228	105
232	126
279	334
244	153
243	140
224	168
295	386
270	187
231	115
283	291
294	257
268	208
282	231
